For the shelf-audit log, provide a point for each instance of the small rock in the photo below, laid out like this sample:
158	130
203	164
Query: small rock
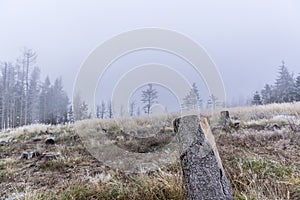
49	140
236	124
34	154
42	133
273	126
25	155
234	117
74	137
2	142
36	139
50	156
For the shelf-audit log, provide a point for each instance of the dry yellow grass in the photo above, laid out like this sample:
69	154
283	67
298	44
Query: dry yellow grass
260	164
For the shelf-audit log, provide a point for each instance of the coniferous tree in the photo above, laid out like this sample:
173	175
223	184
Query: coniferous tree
24	99
192	100
45	98
267	94
284	86
71	114
33	97
84	111
256	99
213	101
80	108
59	103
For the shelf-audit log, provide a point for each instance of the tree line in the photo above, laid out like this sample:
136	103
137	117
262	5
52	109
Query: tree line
105	110
148	98
285	89
25	99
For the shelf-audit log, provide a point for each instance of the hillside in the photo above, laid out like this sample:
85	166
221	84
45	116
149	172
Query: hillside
260	154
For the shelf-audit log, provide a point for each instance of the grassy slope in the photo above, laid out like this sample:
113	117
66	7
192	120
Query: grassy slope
262	162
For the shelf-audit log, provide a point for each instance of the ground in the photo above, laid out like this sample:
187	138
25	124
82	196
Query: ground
260	152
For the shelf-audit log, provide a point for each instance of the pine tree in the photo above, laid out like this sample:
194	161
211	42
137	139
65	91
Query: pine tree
284	86
256	99
267	94
24	99
149	97
80	108
33	96
84	111
44	101
213	101
70	114
60	102
192	100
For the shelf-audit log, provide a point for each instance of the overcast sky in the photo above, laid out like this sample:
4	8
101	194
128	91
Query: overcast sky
246	39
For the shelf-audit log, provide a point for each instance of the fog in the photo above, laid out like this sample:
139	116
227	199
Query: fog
247	40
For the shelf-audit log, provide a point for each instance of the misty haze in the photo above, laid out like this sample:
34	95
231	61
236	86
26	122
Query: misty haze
98	99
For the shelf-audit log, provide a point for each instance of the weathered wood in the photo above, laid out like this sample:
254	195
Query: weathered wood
225	118
204	176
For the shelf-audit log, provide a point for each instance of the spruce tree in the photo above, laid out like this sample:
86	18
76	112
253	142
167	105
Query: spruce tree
192	100
284	86
256	99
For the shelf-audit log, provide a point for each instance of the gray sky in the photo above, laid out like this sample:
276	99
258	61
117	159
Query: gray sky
246	39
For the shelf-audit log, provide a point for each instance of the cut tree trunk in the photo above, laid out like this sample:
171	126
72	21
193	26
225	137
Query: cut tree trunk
204	177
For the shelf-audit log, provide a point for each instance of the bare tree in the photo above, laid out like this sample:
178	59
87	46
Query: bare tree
138	112
29	58
109	110
132	108
24	99
3	96
149	97
102	110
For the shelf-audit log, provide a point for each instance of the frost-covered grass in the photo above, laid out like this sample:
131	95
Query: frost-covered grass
279	111
260	164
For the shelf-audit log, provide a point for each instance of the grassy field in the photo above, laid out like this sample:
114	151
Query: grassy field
261	158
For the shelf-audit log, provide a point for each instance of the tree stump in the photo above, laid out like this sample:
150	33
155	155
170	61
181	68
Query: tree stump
204	177
225	118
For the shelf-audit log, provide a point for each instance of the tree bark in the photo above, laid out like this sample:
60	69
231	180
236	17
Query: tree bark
204	176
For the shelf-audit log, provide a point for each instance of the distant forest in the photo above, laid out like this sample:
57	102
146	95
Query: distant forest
285	90
25	99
